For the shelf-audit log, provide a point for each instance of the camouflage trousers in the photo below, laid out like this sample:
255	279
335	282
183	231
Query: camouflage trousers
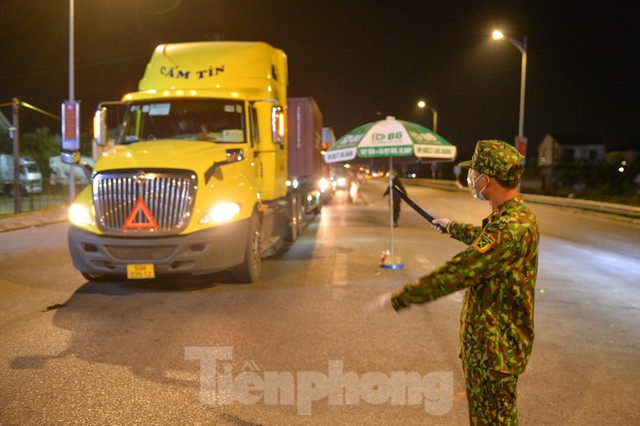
491	396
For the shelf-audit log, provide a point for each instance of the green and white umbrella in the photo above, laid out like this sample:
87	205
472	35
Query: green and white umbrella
391	138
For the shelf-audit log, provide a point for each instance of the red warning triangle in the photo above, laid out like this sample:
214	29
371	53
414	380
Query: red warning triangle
129	224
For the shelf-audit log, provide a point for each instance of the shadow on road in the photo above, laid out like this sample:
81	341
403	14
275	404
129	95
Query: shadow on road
143	326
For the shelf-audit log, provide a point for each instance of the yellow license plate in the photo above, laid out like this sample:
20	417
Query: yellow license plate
141	272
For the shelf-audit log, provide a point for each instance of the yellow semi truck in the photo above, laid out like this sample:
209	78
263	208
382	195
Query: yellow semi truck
194	180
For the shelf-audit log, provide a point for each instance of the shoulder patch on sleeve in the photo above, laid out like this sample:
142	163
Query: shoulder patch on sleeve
483	243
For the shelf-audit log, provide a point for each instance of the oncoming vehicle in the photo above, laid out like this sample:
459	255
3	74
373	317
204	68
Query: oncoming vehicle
341	179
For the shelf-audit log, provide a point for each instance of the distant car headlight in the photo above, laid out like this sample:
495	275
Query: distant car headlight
293	183
342	181
220	213
79	215
323	184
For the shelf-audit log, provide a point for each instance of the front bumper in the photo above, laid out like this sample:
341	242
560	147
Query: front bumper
202	252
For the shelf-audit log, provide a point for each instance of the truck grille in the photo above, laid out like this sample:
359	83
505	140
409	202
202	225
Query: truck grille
169	196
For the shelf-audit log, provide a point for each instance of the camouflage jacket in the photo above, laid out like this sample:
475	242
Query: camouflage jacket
498	270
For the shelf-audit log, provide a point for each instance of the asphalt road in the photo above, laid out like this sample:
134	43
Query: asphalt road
296	348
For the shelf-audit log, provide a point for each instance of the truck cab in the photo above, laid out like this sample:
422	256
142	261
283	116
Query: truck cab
193	178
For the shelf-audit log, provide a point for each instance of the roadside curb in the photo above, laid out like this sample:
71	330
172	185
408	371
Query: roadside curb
31	219
615	211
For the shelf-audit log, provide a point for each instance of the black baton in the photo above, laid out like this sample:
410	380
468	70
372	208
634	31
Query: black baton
405	197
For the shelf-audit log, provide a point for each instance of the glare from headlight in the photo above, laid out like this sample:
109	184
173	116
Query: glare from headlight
342	181
293	183
323	184
222	212
79	215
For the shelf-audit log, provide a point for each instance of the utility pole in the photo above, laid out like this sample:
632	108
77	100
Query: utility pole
17	206
72	174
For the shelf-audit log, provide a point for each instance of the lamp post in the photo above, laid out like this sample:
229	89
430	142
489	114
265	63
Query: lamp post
423	104
72	174
522	47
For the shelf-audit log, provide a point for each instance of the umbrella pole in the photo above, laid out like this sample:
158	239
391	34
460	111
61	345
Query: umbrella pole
391	201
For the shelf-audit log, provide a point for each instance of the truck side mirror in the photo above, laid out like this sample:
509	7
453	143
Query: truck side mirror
115	117
100	126
70	157
73	158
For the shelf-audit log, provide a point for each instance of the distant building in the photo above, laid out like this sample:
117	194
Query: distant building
569	150
625	155
557	152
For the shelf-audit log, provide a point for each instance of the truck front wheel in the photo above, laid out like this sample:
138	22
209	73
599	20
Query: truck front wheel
249	270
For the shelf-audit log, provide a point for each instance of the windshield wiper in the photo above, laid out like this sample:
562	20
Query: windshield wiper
203	137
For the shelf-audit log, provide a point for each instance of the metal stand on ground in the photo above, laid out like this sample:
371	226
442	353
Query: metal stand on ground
389	260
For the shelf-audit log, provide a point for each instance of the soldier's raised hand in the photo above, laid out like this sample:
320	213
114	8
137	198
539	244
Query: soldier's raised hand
444	224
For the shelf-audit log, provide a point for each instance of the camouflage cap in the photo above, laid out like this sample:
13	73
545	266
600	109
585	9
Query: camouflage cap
497	159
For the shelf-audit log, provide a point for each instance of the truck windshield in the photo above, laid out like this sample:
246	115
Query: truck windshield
215	120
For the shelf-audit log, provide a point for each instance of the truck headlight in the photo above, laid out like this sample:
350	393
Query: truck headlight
79	215
221	212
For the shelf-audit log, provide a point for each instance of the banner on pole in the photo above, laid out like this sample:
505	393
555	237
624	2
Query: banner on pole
521	145
70	126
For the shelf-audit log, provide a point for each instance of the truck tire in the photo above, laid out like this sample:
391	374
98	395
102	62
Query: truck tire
293	227
295	220
249	270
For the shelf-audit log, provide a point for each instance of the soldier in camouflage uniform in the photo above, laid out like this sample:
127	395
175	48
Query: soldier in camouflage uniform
498	271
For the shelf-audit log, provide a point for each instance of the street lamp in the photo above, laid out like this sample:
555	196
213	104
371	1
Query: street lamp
423	104
522	47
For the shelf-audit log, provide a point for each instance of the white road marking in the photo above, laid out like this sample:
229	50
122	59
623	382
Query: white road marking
428	267
340	269
425	263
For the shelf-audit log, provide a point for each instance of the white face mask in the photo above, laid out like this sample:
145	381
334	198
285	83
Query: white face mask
471	183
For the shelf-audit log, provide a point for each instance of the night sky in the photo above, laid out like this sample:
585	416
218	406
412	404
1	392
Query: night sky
360	60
